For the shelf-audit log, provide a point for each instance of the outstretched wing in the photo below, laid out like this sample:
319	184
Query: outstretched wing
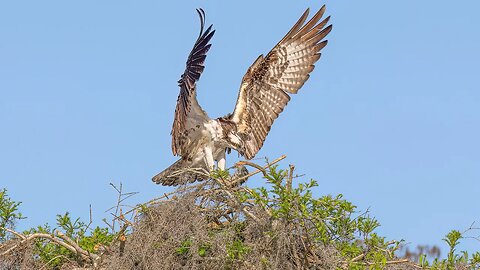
187	105
266	86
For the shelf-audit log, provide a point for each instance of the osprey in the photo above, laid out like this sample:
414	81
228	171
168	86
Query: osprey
265	90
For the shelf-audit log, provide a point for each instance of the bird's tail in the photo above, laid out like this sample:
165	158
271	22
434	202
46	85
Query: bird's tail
180	172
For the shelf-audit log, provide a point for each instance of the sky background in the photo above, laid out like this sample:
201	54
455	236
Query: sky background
390	117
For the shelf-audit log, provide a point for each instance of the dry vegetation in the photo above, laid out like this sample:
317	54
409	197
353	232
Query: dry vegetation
220	224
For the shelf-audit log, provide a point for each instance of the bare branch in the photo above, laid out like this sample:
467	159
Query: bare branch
288	184
259	169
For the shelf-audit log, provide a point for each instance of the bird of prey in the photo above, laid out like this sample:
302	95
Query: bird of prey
265	90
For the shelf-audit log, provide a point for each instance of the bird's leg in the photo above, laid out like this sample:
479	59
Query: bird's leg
209	158
222	161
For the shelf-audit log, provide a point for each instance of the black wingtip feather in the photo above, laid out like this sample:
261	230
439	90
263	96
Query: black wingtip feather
201	14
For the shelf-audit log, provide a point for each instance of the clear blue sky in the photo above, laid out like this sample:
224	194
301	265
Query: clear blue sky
390	117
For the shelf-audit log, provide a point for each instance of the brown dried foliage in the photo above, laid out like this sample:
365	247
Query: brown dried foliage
165	227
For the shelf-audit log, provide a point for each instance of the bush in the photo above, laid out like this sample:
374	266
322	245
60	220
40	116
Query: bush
220	224
9	213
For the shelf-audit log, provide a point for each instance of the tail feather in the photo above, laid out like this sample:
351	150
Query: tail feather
180	172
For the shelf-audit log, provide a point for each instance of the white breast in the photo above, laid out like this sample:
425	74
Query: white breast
213	129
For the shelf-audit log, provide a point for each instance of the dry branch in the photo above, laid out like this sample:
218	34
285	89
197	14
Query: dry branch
58	238
259	168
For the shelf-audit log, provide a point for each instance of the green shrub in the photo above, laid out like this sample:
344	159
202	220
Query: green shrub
9	213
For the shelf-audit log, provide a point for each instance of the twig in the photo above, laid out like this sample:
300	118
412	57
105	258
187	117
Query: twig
94	257
119	191
395	262
161	198
359	257
251	164
51	260
288	184
91	220
40	235
13	232
259	169
242	207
